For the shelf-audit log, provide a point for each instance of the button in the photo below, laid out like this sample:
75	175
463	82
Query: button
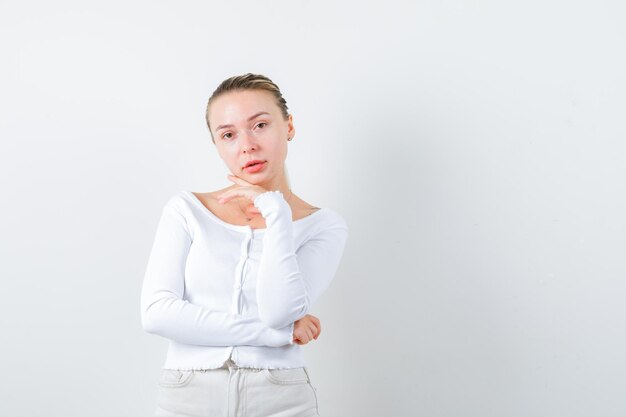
238	286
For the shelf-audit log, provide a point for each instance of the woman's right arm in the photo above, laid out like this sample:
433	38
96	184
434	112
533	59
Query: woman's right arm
165	313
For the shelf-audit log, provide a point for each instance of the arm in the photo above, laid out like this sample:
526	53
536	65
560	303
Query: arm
165	313
290	280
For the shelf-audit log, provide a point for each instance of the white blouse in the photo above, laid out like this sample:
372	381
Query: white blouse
218	290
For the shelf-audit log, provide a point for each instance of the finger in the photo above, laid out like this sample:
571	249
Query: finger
229	195
302	337
319	331
299	333
225	196
316	322
238	180
309	333
251	208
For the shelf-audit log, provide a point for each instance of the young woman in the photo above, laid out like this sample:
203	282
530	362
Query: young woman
233	273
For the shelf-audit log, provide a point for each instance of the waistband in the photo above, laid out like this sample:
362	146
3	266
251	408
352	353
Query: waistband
231	365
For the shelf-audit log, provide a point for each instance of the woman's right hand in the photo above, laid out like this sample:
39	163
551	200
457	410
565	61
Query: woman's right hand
306	329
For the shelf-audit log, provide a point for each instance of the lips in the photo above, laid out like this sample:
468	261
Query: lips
254	168
253	162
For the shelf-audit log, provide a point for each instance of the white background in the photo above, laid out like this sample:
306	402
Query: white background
475	148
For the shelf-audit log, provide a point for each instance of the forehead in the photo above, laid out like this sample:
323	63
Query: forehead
237	106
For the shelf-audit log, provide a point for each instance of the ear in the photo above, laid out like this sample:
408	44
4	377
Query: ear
291	130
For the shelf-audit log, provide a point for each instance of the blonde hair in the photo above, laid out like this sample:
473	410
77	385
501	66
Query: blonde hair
247	81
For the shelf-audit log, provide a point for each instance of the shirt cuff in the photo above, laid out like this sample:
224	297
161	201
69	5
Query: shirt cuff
270	202
281	337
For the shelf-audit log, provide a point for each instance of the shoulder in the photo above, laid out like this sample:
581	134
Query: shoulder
302	209
191	204
177	200
183	203
334	219
329	224
186	196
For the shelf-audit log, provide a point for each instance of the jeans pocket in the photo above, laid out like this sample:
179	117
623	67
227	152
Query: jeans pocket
174	378
288	376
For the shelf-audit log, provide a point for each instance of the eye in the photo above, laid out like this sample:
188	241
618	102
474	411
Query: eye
261	123
224	135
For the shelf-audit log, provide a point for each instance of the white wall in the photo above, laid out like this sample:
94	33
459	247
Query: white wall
476	149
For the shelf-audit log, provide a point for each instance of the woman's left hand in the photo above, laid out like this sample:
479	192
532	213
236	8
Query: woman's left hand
306	329
245	190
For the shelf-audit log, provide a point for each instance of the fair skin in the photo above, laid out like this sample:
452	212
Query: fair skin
249	125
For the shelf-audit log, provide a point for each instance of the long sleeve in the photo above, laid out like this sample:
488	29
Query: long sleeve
289	281
164	312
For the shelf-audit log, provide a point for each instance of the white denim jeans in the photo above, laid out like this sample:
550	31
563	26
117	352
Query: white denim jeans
232	391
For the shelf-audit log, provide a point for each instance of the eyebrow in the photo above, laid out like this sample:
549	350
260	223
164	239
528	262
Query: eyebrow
250	118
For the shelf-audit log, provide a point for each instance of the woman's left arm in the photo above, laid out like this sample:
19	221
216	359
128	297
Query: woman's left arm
289	281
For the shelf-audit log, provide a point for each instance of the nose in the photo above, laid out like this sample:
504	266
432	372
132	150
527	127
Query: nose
248	141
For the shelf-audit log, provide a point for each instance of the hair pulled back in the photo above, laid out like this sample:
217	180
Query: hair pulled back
247	81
